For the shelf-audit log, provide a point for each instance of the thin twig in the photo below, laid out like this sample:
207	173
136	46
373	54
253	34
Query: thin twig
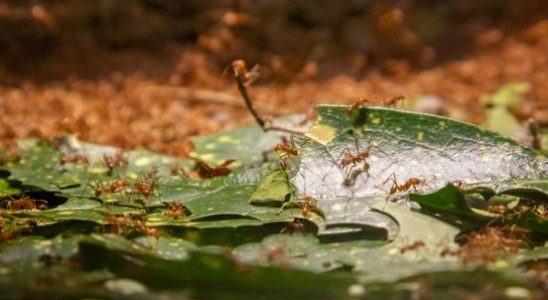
241	76
534	132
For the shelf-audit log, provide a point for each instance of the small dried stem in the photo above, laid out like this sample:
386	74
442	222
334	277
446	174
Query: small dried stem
241	75
534	132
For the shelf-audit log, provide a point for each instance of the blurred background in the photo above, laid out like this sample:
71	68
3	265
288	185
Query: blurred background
151	73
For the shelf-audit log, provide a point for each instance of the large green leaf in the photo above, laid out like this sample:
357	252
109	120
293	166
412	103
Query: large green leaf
402	145
211	200
432	148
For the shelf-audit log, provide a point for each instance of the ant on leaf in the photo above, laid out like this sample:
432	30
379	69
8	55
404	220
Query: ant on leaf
414	246
147	185
287	147
175	210
307	205
350	159
206	171
407	185
75	159
294	226
114	187
118	160
359	102
24	202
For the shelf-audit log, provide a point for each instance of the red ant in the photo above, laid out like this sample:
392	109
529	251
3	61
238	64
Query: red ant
446	251
307	205
294	226
497	208
206	171
111	162
116	221
174	210
287	146
410	183
76	159
416	245
146	186
274	254
26	203
284	164
360	101
392	101
177	170
350	159
136	221
514	229
112	188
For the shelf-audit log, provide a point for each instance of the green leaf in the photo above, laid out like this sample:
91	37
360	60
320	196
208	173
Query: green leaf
304	252
246	145
40	168
500	120
8	190
216	198
28	251
205	268
273	187
402	145
449	203
510	94
375	260
497	114
406	144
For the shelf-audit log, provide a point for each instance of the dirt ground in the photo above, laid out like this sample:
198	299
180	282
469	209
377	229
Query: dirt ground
151	73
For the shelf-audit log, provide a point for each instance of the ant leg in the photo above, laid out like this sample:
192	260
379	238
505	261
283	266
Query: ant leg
347	152
394	180
292	140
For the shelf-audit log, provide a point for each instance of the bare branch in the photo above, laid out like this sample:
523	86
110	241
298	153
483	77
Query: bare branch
242	77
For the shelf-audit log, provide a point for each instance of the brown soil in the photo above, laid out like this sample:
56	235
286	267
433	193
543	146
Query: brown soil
101	74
